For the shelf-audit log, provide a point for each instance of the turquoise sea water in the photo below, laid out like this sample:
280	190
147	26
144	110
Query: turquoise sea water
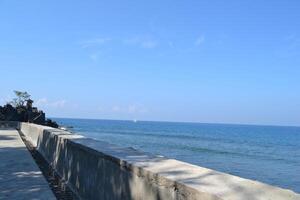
270	154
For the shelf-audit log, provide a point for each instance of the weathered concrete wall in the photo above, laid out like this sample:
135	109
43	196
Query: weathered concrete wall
98	170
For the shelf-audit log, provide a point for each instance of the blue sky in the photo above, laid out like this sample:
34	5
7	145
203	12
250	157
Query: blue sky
199	61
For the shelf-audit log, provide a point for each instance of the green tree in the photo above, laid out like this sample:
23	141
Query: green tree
21	99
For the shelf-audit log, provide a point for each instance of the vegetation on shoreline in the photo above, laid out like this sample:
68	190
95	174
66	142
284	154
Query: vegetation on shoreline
20	109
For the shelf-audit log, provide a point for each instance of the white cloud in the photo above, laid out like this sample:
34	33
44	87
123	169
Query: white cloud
116	109
131	41
200	40
41	102
136	109
58	104
95	56
44	102
130	109
141	42
94	42
100	108
291	47
171	44
97	43
293	40
290	37
149	44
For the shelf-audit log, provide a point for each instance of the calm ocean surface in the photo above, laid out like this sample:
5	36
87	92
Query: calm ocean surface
270	154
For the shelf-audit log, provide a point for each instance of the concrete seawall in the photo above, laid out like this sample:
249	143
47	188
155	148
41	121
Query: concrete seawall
98	170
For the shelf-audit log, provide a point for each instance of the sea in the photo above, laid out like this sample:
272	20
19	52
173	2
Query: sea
270	154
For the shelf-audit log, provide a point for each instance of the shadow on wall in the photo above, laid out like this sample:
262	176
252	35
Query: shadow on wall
88	174
95	175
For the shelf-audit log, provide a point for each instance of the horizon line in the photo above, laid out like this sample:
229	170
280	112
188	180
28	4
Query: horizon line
188	122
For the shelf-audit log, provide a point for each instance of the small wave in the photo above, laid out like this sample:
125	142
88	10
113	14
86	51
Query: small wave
223	152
